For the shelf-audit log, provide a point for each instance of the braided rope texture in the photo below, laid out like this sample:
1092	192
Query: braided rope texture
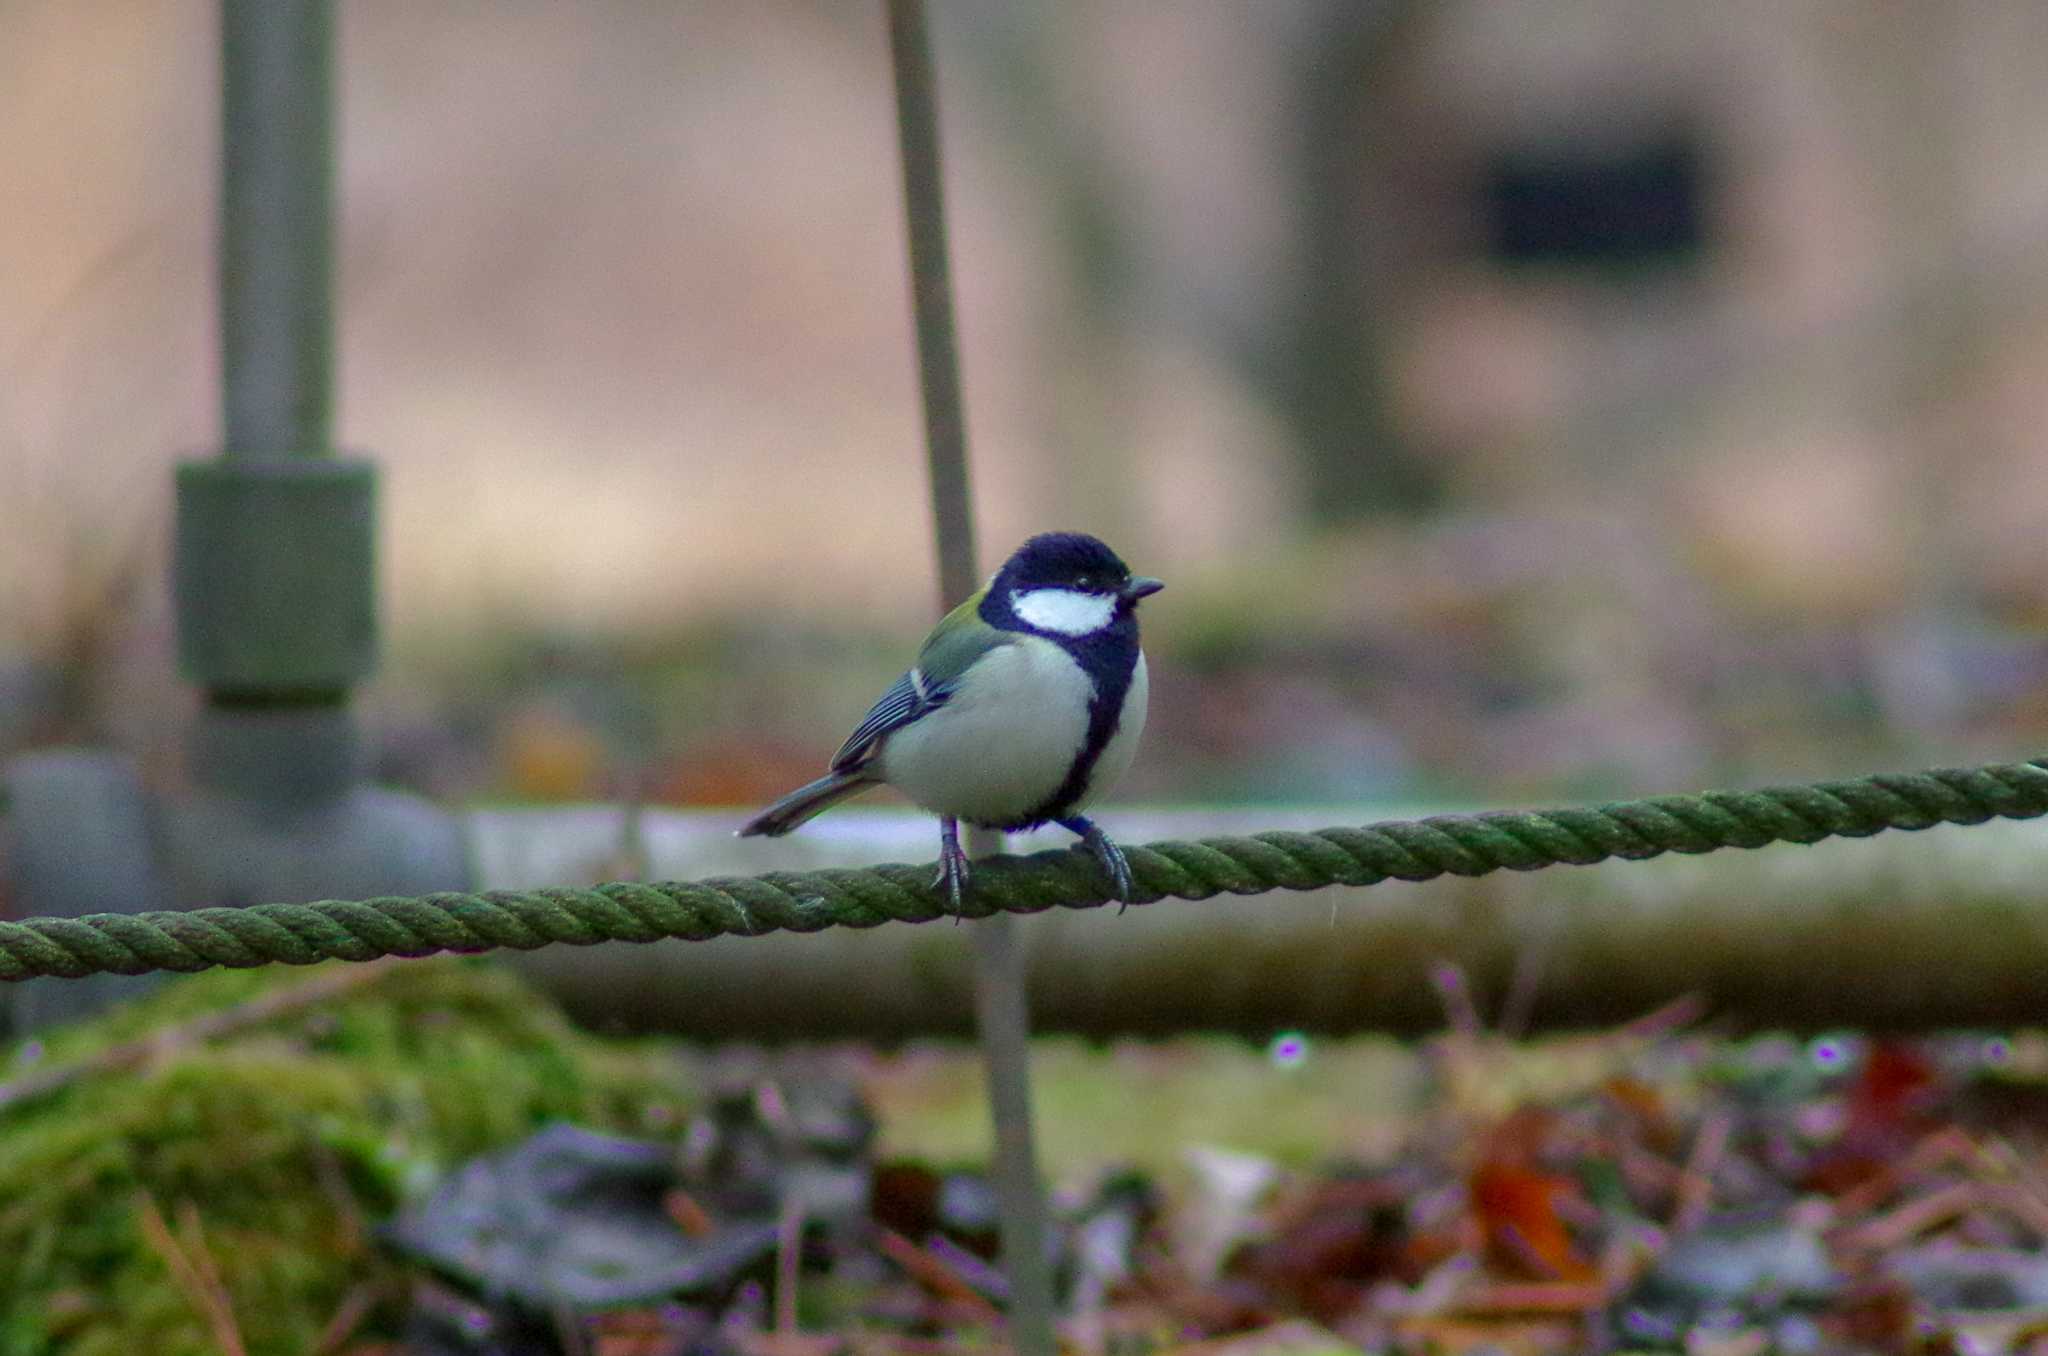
1413	850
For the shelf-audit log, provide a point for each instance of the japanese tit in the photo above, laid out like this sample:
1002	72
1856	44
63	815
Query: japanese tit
1024	706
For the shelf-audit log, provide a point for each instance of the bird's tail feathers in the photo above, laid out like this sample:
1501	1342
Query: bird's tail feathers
801	804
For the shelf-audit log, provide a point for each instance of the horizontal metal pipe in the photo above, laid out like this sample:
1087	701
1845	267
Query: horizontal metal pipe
1942	927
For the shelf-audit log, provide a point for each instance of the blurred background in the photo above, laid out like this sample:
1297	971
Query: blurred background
1533	402
1568	398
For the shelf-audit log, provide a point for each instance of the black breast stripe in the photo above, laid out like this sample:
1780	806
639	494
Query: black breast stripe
1110	658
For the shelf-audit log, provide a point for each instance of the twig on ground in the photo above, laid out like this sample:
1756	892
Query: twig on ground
1947	1147
688	1213
329	983
935	1274
348	1211
1897	1226
1696	1185
192	1269
355	1306
1658	1023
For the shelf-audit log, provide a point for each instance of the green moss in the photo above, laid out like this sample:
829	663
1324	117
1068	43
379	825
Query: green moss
286	1138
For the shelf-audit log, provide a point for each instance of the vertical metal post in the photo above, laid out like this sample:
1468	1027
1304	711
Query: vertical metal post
999	961
275	543
275	581
276	227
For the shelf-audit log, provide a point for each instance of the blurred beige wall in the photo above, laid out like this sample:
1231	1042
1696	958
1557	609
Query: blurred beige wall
621	304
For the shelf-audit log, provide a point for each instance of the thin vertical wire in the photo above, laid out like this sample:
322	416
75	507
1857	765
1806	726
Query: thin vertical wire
931	294
1000	1004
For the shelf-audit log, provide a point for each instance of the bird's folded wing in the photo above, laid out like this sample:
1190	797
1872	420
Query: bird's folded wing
908	698
950	650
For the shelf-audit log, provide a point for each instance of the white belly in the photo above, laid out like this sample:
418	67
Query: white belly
1003	744
1123	745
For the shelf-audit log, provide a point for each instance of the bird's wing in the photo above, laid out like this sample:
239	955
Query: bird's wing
907	699
948	653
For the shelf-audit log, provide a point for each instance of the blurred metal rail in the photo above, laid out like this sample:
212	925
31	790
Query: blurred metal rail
1906	931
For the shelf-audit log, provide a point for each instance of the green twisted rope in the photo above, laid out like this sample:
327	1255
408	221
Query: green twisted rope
809	901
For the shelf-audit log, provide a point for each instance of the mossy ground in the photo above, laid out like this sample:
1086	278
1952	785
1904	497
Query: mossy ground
290	1137
287	1138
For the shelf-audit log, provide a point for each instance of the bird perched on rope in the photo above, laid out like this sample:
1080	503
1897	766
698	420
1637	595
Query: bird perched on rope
1024	706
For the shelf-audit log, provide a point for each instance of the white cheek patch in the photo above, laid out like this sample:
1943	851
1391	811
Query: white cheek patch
1066	611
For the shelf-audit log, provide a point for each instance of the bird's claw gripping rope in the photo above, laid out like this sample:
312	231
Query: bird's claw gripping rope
954	872
1111	857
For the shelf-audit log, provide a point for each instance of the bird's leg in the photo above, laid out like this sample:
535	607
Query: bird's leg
953	872
1109	854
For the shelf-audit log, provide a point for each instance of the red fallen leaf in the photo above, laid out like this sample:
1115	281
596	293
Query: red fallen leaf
1837	1171
1644	1105
1877	1316
1519	1138
1885	1112
905	1197
1425	1251
1327	1248
917	1203
1525	1235
1516	1201
1893	1087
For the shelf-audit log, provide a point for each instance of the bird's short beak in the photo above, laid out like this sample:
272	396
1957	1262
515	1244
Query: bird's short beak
1142	587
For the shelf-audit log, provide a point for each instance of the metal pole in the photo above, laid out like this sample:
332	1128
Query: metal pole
1000	1002
275	580
276	232
275	543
